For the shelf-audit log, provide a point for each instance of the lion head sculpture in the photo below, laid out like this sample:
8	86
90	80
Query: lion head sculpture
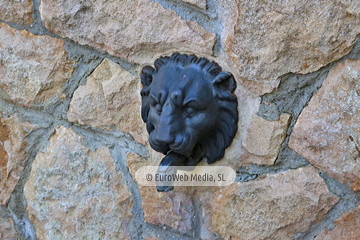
189	107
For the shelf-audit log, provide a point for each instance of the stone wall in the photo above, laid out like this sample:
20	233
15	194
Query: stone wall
71	136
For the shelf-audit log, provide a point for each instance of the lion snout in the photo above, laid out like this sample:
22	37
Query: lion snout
157	146
162	141
164	137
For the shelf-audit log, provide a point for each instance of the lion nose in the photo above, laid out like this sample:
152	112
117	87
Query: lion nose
164	136
167	127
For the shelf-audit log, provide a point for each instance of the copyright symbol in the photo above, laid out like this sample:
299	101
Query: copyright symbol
148	177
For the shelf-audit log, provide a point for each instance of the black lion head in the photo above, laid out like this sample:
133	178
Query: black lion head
189	106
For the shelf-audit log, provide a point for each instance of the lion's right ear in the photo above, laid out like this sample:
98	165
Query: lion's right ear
225	86
225	81
146	75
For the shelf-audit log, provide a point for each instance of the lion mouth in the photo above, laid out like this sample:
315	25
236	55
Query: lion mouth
183	147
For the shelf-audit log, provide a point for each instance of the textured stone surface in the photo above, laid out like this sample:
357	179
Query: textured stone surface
111	97
153	238
12	154
273	207
327	132
131	29
73	189
31	72
73	193
347	227
7	231
16	11
263	140
199	3
173	209
266	39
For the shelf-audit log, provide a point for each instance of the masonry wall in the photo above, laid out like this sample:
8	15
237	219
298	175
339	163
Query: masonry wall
71	135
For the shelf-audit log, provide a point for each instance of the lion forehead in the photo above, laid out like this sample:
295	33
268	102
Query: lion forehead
193	83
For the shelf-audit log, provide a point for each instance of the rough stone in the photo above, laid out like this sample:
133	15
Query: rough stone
12	153
111	97
32	68
200	3
173	209
16	11
153	238
74	193
267	39
273	207
263	140
327	132
347	227
132	29
7	230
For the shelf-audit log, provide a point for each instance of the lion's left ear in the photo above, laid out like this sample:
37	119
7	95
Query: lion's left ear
146	80
225	82
146	75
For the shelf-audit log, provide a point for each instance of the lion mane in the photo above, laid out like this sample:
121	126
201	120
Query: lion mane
213	144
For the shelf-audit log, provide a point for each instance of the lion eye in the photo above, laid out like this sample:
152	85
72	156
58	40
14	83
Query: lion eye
158	107
190	110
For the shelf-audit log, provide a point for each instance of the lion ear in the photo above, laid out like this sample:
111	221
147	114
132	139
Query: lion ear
146	75
225	82
146	80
